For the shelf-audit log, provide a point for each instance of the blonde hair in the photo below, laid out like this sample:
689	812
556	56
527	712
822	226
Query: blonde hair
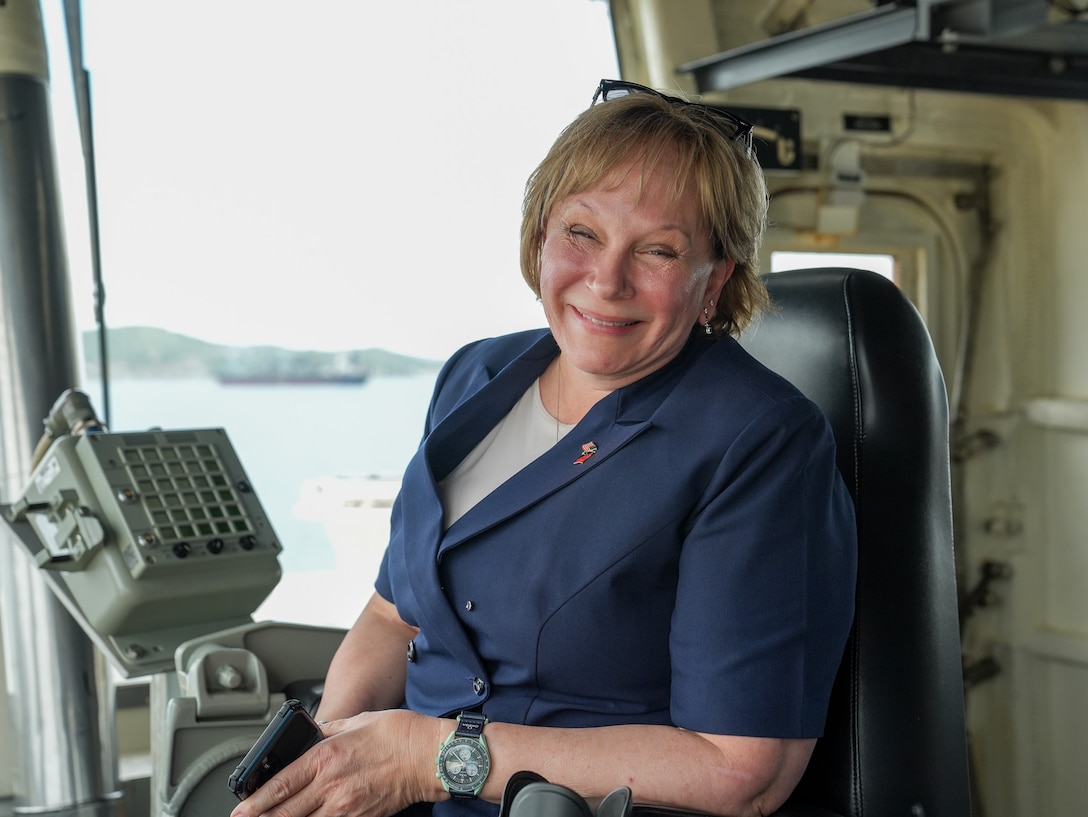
723	173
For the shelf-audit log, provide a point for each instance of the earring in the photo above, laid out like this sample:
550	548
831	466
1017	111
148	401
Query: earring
706	323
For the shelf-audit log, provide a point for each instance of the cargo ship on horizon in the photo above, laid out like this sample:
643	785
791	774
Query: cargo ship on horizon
344	379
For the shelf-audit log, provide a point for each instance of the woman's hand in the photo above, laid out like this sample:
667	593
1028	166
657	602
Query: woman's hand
371	765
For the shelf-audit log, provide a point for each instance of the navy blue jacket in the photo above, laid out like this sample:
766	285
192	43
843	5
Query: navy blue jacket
696	570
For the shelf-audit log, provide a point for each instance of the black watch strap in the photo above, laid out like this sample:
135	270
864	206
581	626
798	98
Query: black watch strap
470	724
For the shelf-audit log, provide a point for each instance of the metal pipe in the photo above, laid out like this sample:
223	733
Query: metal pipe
65	754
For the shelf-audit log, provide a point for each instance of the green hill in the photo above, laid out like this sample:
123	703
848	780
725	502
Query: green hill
143	351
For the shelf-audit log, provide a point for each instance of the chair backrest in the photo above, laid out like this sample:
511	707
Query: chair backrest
895	741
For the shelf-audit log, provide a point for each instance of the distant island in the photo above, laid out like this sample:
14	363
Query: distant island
148	352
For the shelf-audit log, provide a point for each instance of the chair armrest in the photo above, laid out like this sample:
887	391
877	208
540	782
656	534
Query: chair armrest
791	808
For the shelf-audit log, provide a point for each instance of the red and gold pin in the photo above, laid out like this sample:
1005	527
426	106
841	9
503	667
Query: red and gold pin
588	450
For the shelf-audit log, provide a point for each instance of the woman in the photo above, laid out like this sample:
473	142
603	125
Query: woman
623	550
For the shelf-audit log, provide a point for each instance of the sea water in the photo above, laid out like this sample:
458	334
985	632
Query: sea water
290	438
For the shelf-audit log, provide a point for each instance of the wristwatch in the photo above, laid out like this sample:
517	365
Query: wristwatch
463	760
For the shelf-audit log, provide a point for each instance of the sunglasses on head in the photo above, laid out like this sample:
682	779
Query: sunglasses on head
733	126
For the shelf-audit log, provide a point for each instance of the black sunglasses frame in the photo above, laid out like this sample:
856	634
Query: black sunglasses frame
741	128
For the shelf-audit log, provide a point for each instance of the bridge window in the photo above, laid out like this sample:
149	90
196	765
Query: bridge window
317	177
881	264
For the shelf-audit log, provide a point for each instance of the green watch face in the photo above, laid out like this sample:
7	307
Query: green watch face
463	765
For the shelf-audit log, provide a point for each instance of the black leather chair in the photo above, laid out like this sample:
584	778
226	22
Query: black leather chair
895	742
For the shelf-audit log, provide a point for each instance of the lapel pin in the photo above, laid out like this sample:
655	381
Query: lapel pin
588	450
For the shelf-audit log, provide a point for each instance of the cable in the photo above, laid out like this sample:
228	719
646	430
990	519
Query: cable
81	80
72	413
894	140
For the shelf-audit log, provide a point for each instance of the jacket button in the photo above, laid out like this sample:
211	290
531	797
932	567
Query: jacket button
478	686
469	605
411	652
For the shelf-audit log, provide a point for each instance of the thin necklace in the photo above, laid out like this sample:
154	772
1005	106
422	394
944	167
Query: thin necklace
558	396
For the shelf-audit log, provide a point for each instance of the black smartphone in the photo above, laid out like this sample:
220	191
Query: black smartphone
290	733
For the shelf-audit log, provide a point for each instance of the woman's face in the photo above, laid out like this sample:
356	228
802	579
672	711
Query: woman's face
624	275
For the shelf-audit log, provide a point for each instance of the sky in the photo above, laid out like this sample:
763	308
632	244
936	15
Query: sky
324	175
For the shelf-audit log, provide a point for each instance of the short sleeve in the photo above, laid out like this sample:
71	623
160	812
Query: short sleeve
766	589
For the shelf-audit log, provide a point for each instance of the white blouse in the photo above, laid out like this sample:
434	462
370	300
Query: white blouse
525	433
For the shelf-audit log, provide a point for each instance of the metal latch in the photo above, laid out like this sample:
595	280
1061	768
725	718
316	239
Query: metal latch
69	532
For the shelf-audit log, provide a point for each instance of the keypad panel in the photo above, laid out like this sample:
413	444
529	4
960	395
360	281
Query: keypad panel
187	491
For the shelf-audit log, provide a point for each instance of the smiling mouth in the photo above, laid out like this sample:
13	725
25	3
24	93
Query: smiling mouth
599	322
